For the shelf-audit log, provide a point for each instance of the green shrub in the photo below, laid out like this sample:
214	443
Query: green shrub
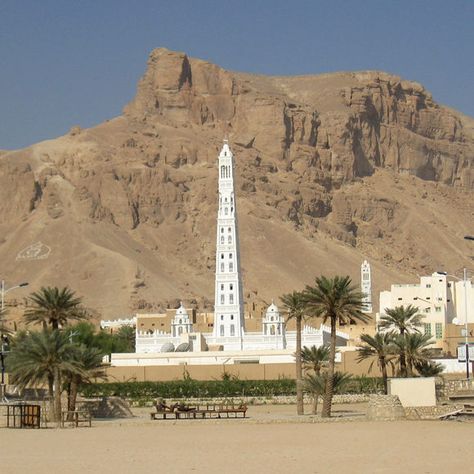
228	387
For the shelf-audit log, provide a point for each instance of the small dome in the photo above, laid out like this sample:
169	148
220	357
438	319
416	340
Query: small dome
167	347
181	311
272	309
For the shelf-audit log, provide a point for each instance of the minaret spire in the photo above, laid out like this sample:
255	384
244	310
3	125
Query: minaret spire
228	307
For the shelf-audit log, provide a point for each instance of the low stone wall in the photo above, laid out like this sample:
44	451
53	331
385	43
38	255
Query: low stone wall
385	407
277	400
429	413
446	388
106	407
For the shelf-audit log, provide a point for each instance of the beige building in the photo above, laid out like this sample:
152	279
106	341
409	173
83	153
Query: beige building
440	300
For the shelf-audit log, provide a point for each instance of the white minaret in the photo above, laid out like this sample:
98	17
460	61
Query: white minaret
366	286
228	307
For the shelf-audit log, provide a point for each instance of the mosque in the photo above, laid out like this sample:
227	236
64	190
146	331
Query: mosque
224	331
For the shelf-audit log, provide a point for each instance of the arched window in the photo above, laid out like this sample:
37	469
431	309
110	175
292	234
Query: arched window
226	210
222	331
229	229
222	239
222	267
231	287
229	239
180	321
180	331
222	256
222	317
231	209
231	299
231	267
231	317
232	330
222	171
230	256
222	230
272	330
222	299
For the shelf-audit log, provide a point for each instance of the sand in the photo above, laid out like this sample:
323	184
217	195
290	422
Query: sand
271	441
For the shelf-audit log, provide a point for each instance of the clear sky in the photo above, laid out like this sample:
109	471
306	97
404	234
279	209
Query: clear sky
77	62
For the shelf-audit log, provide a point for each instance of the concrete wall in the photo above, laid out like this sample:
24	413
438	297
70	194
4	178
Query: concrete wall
414	392
243	371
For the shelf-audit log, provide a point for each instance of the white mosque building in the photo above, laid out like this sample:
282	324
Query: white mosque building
228	329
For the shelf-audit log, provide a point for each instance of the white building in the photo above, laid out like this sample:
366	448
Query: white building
366	286
439	299
228	334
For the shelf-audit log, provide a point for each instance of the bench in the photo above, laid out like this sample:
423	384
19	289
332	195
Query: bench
201	412
76	418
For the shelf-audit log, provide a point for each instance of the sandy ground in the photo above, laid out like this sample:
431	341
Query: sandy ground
271	440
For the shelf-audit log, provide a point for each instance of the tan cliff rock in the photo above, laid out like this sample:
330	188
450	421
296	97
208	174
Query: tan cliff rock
331	169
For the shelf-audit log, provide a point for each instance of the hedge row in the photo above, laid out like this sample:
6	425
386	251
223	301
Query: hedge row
190	388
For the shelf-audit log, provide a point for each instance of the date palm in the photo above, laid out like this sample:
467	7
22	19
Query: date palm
337	300
42	357
294	307
379	348
316	385
89	360
403	320
415	347
54	307
315	358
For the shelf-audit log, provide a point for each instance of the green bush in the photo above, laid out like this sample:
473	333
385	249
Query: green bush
228	387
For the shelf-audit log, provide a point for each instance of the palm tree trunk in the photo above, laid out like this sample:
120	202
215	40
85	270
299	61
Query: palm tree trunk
299	369
57	396
315	403
383	366
403	363
327	400
51	397
73	395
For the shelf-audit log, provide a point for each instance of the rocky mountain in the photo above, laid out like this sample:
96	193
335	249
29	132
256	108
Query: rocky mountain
331	169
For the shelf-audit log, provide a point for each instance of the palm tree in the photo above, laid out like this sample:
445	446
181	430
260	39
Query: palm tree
89	360
315	358
54	307
316	385
416	350
42	357
379	347
429	368
294	307
336	300
126	338
403	320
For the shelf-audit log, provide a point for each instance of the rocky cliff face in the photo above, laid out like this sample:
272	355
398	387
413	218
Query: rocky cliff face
330	169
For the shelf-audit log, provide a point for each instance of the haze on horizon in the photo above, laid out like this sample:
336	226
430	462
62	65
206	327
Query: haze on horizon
66	64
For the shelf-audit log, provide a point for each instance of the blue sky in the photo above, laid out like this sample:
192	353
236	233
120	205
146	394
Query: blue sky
77	62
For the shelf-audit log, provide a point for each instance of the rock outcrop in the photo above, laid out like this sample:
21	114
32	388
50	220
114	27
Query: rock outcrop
330	169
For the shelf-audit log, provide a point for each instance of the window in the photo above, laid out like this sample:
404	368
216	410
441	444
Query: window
222	299
439	330
222	330
222	171
222	230
428	297
232	330
222	287
229	240
231	299
399	299
222	256
222	317
229	230
449	285
428	310
438	309
427	329
180	330
231	317
222	267
428	285
231	286
222	239
226	210
230	256
231	267
272	330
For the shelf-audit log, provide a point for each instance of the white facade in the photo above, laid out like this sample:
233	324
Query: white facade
228	304
440	300
366	286
181	323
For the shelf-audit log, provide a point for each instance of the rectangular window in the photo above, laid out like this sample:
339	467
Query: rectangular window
222	330
231	286
232	330
439	330
222	287
222	299
438	309
231	267
427	329
428	285
231	299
